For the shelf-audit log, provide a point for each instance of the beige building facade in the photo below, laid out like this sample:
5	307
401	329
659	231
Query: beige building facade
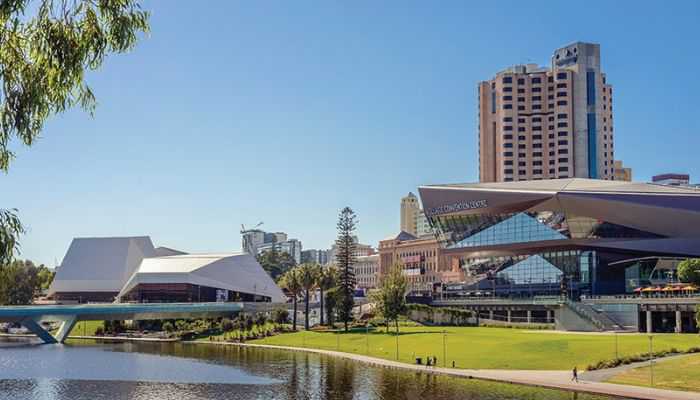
547	123
410	208
366	270
421	259
622	173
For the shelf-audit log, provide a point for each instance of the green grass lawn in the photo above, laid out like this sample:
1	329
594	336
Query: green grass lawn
85	328
679	374
498	348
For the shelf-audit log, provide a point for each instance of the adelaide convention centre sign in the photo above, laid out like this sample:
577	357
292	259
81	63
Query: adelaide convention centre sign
460	206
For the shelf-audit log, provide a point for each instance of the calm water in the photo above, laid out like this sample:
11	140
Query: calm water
176	371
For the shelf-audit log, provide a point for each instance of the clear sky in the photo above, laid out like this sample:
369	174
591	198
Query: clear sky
284	112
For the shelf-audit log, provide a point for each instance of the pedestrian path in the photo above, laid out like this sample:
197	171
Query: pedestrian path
548	379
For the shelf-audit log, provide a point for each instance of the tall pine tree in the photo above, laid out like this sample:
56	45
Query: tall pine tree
344	260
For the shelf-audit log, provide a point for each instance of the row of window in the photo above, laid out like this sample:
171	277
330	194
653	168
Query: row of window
534	79
536	106
509	171
509	136
539	119
536	153
537	163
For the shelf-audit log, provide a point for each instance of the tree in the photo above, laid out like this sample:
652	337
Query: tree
260	322
331	305
281	316
689	271
327	280
276	263
344	259
291	281
47	46
10	230
19	283
308	274
45	277
390	299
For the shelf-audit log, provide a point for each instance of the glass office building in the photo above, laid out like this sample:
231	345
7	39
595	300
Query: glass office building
582	236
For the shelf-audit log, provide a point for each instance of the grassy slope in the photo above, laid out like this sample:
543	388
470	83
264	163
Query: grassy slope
86	328
497	348
679	374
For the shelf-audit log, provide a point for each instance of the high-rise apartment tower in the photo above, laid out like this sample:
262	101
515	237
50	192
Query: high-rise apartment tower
545	123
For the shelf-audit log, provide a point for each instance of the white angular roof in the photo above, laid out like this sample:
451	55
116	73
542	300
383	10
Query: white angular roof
239	272
100	264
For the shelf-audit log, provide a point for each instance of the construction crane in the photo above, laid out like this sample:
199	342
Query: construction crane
246	245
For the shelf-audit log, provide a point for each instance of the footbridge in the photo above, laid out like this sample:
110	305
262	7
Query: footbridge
33	317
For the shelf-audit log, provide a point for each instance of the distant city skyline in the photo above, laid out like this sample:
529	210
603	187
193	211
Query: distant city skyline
232	121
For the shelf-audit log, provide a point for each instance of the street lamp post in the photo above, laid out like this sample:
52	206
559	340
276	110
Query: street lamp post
651	360
444	348
617	357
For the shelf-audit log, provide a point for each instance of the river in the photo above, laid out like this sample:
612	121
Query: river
179	371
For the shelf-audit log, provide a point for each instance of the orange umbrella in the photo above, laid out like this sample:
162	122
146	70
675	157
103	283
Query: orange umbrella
638	289
648	289
668	289
690	287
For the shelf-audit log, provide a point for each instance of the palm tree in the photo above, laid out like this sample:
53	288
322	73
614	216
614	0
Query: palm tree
292	282
309	274
328	279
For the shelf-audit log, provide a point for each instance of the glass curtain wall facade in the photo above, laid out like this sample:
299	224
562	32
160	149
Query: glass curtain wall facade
570	271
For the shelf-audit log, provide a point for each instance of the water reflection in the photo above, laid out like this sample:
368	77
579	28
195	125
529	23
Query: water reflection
177	371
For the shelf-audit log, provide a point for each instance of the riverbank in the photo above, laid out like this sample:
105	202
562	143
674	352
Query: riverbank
546	379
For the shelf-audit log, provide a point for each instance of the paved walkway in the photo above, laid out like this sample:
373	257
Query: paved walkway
548	379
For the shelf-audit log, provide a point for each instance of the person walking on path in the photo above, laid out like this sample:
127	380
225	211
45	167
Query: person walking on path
574	376
434	361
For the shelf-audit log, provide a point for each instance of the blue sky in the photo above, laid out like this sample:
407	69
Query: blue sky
284	112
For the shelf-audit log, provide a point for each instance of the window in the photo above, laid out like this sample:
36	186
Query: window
563	151
550	79
536	128
536	80
551	162
508	162
520	91
507	79
521	120
508	154
537	163
562	134
537	145
536	137
521	129
536	89
536	119
551	144
508	145
507	106
522	146
561	75
537	171
521	108
563	168
563	142
551	170
522	164
551	136
562	103
561	94
537	154
536	98
521	155
562	124
537	106
507	98
521	99
508	128
507	89
522	172
562	116
550	97
521	81
507	137
561	85
590	88
550	119
563	160
550	127
522	138
508	119
508	171
551	153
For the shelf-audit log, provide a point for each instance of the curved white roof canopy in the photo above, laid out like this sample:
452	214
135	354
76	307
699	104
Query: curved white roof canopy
239	272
